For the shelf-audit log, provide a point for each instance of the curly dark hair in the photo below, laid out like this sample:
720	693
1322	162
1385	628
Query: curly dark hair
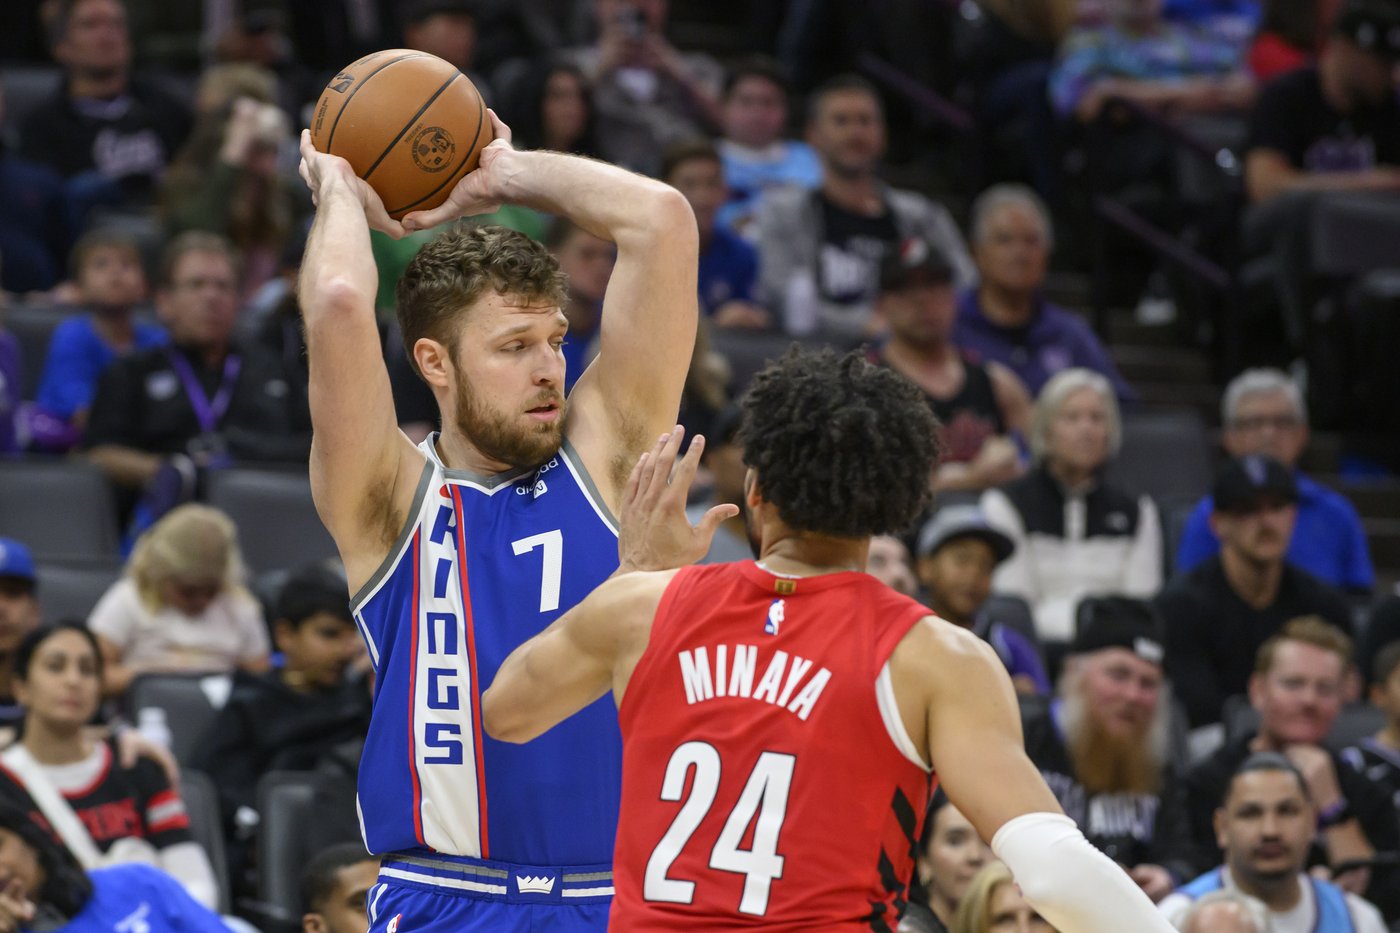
458	267
840	446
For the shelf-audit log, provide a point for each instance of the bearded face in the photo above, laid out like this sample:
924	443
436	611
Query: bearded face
1115	721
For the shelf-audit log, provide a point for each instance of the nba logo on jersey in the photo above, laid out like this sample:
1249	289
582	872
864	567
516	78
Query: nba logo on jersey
775	617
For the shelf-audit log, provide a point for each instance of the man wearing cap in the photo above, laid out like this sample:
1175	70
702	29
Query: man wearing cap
1219	613
957	552
19	615
978	406
1101	745
1296	690
1265	822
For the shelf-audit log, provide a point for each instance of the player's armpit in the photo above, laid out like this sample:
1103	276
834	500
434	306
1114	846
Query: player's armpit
587	651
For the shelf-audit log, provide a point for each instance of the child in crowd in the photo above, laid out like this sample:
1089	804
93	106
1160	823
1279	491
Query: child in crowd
111	284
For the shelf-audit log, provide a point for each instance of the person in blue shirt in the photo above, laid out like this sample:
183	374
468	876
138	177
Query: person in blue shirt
728	264
111	283
1005	318
46	890
1263	413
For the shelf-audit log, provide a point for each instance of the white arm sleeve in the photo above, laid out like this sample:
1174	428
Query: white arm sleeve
188	864
1070	883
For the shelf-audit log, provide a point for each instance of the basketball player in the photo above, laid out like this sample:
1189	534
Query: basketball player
460	548
781	718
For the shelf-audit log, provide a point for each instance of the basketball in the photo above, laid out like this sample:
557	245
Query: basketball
408	123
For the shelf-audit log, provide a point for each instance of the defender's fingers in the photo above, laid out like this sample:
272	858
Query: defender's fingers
648	491
684	473
634	481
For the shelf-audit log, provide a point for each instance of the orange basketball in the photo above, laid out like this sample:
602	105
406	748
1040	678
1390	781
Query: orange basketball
408	123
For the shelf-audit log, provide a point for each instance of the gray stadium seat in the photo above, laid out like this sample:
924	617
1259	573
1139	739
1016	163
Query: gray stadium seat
1353	723
202	804
33	326
1165	454
747	352
191	703
70	591
63	509
26	87
297	822
278	528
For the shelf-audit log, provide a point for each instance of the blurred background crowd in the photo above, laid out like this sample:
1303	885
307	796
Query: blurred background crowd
1141	256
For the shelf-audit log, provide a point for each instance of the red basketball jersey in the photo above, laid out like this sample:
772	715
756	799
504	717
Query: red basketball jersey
767	779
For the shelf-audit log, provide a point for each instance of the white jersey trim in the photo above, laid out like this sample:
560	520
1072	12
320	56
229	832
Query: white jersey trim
441	882
894	723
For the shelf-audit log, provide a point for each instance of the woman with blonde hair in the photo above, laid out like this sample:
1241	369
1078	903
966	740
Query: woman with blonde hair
993	904
181	605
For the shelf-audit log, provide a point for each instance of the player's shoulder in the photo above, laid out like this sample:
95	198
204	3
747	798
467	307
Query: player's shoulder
937	645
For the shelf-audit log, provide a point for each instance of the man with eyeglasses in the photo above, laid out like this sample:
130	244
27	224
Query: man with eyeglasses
1263	413
161	415
1218	615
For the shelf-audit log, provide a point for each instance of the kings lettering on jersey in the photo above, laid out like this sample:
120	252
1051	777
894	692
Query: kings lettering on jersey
785	680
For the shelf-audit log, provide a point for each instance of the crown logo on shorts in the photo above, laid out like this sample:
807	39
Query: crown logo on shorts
530	885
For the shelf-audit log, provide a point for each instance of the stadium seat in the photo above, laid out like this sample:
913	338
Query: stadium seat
191	703
1165	454
1013	612
1356	721
33	326
294	826
70	591
26	87
206	824
278	528
62	509
747	352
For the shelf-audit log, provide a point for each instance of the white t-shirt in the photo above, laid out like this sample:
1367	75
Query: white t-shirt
228	633
1301	919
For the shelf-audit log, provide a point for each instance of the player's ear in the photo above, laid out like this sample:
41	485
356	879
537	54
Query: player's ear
752	497
433	362
313	923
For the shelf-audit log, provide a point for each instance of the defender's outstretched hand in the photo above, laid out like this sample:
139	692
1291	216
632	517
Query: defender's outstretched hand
481	191
319	169
655	533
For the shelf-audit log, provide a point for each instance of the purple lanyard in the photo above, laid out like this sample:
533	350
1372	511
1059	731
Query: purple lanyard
208	412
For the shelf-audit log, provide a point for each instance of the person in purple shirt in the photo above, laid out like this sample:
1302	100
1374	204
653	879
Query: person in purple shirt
1263	413
9	389
1005	318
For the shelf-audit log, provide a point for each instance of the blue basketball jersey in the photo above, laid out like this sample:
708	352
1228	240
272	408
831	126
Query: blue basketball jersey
483	564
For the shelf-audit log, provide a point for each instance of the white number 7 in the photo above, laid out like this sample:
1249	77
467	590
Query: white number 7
553	565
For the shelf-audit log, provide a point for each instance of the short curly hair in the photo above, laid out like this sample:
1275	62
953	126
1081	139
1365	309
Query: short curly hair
841	447
449	274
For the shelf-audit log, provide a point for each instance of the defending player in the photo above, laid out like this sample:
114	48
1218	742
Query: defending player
779	718
460	548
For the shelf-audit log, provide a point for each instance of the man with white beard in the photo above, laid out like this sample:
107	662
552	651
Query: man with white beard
1101	745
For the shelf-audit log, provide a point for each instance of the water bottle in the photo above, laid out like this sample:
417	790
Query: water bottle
152	724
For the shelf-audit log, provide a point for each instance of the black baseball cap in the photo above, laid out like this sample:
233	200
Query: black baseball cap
1251	480
1373	25
1118	622
914	261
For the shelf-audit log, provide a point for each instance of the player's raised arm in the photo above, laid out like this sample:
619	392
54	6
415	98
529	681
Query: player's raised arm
966	706
633	390
357	447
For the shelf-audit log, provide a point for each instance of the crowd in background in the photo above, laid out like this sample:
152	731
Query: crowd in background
909	182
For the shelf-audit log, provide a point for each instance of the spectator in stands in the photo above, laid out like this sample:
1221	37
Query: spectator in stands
723	456
587	264
1006	318
447	29
889	562
1140	57
1329	127
19	615
553	109
47	890
58	682
1220	613
957	554
36	221
1226	911
1289	37
110	131
1075	534
1103	746
227	180
1263	413
756	154
111	284
1267	819
950	855
203	400
1296	691
820	251
728	263
289	718
1378	756
993	904
335	889
979	407
648	94
181	604
11	382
